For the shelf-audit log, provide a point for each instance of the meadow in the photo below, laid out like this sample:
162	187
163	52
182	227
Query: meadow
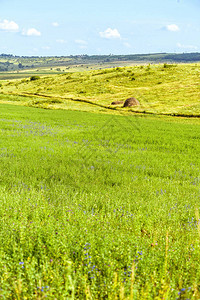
97	206
169	89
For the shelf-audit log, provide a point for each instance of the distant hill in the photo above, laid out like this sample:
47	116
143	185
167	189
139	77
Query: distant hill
9	62
154	57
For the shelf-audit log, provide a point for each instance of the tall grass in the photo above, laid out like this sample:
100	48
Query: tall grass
98	206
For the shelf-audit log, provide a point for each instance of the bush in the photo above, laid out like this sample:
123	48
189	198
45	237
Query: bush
35	77
168	65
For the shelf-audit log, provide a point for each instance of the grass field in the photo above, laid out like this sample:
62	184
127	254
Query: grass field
161	89
98	206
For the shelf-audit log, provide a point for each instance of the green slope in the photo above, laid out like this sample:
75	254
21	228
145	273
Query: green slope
160	89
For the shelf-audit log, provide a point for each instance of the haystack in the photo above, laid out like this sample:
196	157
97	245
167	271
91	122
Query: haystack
117	102
131	102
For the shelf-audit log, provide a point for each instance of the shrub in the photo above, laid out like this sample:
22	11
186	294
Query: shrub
148	67
35	77
168	65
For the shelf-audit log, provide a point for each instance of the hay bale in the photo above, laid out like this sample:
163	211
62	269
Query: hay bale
117	102
131	102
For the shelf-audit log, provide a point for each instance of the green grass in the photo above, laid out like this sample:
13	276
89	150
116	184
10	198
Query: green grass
98	206
160	89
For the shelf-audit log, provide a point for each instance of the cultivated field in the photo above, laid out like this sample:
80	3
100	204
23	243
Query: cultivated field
97	206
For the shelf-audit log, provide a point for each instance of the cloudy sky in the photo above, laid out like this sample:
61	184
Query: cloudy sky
63	27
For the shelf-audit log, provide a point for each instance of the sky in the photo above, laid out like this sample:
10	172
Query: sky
76	27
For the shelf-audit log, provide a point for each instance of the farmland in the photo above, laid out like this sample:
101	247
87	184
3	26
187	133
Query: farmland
101	202
11	63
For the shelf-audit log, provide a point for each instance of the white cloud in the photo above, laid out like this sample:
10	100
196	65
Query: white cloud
31	32
46	48
172	27
61	41
55	24
127	45
81	42
9	26
189	47
110	34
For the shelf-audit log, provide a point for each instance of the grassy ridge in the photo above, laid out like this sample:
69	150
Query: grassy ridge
98	206
161	89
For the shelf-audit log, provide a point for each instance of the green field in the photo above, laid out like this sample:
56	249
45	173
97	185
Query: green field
99	206
170	89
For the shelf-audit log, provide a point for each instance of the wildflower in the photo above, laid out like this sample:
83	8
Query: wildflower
182	290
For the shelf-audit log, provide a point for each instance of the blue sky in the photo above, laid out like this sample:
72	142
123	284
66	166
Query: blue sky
62	27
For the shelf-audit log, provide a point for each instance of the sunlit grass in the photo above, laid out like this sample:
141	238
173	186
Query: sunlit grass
163	88
98	206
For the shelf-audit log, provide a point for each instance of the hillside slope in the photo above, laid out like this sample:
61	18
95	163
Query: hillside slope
161	89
